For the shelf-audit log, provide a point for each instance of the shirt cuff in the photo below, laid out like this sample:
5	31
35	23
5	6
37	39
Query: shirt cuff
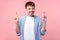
18	34
42	32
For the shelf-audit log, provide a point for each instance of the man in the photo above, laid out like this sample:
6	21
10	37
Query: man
30	27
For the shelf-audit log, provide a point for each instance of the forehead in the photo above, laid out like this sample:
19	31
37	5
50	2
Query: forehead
30	6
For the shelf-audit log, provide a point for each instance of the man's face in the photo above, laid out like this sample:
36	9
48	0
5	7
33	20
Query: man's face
30	10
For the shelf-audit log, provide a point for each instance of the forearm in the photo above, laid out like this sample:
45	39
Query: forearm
44	26
17	28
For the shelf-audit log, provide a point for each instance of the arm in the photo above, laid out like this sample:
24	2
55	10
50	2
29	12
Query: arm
44	26
44	20
17	28
17	25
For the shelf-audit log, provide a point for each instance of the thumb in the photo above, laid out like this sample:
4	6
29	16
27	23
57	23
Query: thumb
44	16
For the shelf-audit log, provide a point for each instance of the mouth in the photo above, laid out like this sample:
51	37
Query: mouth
31	12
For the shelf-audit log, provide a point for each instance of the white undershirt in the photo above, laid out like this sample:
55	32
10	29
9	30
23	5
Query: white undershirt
29	28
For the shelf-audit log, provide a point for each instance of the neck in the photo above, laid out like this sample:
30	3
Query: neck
30	15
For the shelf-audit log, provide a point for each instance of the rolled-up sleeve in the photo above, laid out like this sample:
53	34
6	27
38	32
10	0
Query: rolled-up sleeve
42	32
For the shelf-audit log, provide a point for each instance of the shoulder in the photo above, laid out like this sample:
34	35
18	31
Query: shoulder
38	17
21	18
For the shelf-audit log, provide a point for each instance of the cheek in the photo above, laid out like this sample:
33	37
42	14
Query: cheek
29	10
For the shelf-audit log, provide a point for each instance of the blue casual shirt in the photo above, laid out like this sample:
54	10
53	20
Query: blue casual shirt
37	27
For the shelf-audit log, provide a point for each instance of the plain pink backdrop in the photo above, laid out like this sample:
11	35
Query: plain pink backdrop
8	9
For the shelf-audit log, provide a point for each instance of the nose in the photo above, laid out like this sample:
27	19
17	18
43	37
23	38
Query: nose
32	9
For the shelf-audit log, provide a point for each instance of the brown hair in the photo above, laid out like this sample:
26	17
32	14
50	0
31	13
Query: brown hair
29	3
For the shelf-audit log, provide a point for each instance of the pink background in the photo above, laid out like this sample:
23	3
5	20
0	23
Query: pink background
8	9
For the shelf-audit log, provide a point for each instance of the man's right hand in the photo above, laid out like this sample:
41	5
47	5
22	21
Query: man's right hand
16	19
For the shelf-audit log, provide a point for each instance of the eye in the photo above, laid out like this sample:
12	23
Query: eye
33	8
29	8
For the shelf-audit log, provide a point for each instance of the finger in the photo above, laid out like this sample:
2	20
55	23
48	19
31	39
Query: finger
16	17
44	16
16	14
